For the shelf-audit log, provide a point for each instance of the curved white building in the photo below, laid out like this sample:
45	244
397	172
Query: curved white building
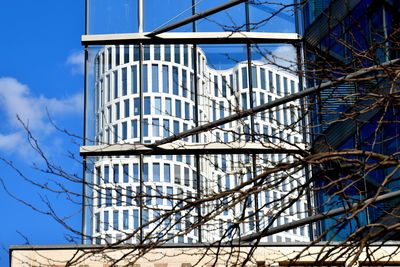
130	191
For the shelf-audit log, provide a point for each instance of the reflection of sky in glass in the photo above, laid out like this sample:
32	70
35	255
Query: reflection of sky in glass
111	16
120	16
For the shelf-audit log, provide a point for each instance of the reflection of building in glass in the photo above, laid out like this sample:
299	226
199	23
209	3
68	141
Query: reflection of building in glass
342	37
131	191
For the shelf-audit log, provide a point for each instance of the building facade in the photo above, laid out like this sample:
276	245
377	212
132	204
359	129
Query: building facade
342	37
135	197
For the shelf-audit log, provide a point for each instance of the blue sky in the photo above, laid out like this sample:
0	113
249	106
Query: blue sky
40	69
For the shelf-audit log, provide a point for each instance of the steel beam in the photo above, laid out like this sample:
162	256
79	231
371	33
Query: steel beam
182	148
192	38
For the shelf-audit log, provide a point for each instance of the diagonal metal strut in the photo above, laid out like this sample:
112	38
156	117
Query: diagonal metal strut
275	103
193	18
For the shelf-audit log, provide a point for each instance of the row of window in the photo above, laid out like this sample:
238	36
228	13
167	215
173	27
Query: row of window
152	172
154	127
114	56
157	78
130	220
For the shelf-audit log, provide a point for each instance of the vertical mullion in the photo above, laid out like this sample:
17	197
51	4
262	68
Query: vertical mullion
196	118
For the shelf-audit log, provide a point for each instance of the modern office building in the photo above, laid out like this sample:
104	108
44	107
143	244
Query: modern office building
139	194
342	37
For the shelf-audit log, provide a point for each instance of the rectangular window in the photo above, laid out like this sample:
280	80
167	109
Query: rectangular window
124	82
159	192
178	108
117	55
155	78
216	89
106	174
135	219
186	176
108	87
156	172
184	83
147	105
177	174
126	108
176	127
136	53
99	198
115	84
116	173
135	173
125	220
254	77
145	127
136	106
186	55
145	172
126	53
109	54
115	219
156	127
167	52
263	82
97	215
244	100
271	81
145	218
129	196
170	194
134	85
157	105
119	197
285	86
165	75
106	221
223	86
221	109
278	84
146	53
168	106
145	78
157	55
175	81
117	111
124	131
292	89
148	195
108	198
115	130
177	51
187	111
167	173
166	128
244	78
125	173
134	129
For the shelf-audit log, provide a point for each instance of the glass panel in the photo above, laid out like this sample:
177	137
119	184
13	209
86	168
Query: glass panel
108	16
161	13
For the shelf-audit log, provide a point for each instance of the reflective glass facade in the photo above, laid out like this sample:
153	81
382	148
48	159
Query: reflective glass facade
342	37
141	93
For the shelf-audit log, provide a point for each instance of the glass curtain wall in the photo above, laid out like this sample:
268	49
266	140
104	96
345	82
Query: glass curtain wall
140	93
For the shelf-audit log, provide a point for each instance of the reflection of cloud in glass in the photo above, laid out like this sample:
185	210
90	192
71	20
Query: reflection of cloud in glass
283	56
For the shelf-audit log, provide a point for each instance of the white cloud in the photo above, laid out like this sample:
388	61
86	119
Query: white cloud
16	99
77	61
10	142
